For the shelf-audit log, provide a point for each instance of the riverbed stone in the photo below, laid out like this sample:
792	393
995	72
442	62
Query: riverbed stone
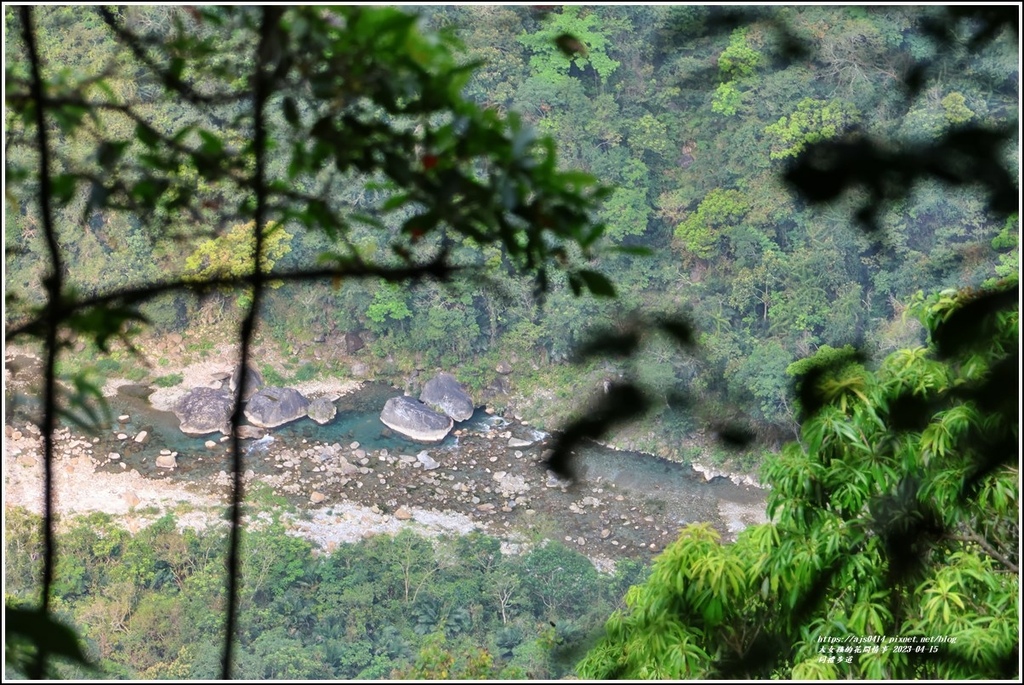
428	462
210	444
113	456
415	420
345	468
444	394
403	514
204	410
517	442
322	410
316	497
273	406
142	438
167	461
253	381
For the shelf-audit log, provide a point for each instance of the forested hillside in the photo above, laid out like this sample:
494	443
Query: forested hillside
149	604
691	122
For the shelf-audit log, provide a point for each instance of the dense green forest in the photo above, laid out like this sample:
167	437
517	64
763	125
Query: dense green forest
692	119
693	132
150	604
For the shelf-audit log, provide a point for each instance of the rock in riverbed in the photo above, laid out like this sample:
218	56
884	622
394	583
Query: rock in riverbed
444	394
272	407
415	420
204	410
322	410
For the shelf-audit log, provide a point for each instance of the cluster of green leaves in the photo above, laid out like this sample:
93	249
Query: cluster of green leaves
736	64
572	37
232	253
812	122
720	208
896	514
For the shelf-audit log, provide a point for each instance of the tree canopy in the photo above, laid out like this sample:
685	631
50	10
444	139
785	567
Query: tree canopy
893	549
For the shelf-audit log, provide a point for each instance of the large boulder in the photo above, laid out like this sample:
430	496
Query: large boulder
444	394
322	410
204	410
253	381
272	407
353	342
415	420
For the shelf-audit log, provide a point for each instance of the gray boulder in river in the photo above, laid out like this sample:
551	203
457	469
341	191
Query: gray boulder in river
444	394
253	380
272	407
415	420
204	410
322	410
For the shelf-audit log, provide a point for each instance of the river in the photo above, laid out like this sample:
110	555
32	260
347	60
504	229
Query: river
623	503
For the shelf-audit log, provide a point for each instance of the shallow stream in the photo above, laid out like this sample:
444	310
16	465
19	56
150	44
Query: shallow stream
627	502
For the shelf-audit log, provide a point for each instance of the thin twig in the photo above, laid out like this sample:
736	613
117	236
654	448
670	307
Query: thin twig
972	536
170	81
261	88
437	268
53	283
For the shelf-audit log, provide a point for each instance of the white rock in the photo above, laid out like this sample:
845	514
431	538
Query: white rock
166	461
142	437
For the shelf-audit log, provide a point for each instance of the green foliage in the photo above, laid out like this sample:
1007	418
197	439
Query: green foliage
388	304
736	64
812	122
727	99
1008	242
700	232
875	532
573	37
957	111
32	635
232	254
559	580
739	60
385	151
168	381
146	609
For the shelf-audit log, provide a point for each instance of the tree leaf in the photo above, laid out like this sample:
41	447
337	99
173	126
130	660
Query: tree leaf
597	283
